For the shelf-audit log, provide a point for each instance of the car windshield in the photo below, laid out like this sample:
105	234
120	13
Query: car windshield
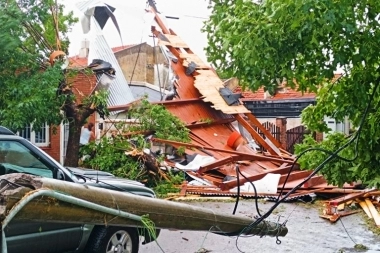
16	158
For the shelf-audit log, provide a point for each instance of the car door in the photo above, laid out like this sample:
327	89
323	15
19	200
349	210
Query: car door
34	236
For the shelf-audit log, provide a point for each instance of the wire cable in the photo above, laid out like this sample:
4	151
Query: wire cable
345	229
137	58
158	70
238	191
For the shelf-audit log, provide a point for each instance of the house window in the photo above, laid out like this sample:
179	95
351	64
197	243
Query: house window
39	138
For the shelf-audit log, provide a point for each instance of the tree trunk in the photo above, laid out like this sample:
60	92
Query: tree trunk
77	115
72	150
165	214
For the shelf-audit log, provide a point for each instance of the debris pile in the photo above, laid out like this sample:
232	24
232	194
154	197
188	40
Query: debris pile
368	200
222	158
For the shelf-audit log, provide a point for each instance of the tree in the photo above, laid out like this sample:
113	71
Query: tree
31	89
303	42
125	154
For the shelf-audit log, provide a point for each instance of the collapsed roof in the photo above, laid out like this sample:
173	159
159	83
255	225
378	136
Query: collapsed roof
211	118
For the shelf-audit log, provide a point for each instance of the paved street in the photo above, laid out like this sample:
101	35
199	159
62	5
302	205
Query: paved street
307	233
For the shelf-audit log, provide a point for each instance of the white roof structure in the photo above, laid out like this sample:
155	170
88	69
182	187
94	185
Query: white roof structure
119	91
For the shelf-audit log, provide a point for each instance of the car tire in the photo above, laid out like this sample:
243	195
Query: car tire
113	239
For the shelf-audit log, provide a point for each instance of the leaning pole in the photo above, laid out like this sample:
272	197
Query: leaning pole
15	188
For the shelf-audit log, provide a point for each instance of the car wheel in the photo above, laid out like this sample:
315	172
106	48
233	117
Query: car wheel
113	240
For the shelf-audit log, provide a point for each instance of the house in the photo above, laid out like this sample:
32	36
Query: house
284	107
53	139
286	102
147	70
144	69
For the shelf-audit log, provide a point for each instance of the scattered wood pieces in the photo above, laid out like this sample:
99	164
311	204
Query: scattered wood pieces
338	207
374	213
364	206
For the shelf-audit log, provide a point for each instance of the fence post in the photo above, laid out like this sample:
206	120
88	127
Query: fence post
281	124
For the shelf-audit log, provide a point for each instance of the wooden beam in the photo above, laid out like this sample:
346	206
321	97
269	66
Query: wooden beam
267	134
178	101
316	180
216	164
364	206
255	134
294	176
338	190
212	123
374	213
159	22
348	197
233	183
244	156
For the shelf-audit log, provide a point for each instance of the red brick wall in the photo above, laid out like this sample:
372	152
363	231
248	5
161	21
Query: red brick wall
54	147
82	85
319	137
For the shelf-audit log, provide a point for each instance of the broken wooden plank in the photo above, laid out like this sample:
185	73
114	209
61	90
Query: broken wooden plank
174	41
347	197
211	123
341	207
336	190
257	123
233	183
269	165
374	213
333	217
244	156
374	193
216	164
316	180
296	175
365	208
188	58
255	134
183	189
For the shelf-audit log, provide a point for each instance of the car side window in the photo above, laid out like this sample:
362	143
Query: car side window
16	158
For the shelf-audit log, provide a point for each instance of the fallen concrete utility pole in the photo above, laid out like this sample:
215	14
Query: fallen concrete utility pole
165	214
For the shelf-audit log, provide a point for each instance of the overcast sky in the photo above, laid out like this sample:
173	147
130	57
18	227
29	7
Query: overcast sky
130	15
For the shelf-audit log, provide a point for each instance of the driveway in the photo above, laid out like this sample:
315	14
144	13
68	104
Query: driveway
307	233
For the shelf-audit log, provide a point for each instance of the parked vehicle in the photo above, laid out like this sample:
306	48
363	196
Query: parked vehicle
18	155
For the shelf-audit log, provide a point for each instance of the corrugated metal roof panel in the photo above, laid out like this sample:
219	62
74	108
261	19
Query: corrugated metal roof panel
246	195
119	91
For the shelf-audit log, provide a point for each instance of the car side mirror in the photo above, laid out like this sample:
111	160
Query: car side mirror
61	175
